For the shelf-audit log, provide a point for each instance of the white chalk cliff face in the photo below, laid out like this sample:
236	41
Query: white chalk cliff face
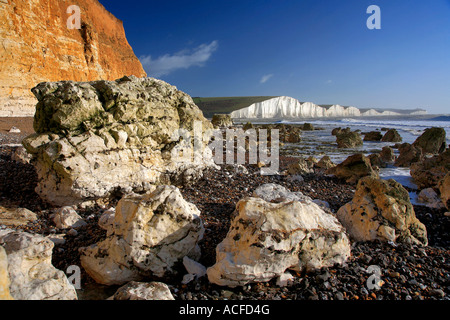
287	107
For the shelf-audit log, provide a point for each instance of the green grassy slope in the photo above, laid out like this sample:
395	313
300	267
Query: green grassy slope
211	106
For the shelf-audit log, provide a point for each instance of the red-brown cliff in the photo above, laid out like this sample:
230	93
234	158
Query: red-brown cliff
36	46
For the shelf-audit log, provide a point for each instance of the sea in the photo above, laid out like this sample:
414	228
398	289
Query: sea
320	141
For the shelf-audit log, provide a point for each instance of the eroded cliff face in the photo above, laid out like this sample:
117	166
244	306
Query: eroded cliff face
37	46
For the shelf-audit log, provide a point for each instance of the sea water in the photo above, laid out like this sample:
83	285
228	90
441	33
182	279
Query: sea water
321	142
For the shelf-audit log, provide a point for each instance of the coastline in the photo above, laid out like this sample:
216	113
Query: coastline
409	272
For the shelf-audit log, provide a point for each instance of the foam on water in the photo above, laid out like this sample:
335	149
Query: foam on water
401	175
321	142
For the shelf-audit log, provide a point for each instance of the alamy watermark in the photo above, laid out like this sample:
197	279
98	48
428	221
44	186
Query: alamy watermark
75	276
238	147
374	282
74	20
374	21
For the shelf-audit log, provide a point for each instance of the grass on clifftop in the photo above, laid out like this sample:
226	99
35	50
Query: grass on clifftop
216	105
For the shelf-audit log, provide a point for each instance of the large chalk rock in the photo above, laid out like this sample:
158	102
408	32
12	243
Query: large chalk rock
150	234
382	210
265	239
102	138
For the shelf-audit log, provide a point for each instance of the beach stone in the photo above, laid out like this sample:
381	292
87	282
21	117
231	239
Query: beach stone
21	155
286	279
430	198
430	171
301	167
373	136
57	239
105	139
266	239
340	130
387	155
295	178
222	120
106	220
408	154
13	217
350	139
432	141
376	161
4	277
197	270
151	233
325	163
392	135
353	168
66	218
381	209
291	136
143	291
31	273
444	188
307	127
247	126
14	130
236	168
272	192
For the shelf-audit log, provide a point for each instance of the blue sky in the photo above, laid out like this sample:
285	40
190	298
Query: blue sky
313	50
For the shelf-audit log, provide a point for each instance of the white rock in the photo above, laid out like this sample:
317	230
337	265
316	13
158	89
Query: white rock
136	141
21	155
106	220
14	130
430	198
285	279
188	278
32	275
143	291
193	267
67	217
272	192
265	239
151	233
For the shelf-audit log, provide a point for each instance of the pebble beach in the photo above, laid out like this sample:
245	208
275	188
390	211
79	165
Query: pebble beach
408	272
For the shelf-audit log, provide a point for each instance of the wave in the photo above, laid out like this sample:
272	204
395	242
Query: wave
350	120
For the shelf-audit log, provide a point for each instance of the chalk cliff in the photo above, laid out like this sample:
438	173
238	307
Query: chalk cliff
287	107
37	46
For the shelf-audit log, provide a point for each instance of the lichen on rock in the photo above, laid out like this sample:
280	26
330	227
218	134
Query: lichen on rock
96	139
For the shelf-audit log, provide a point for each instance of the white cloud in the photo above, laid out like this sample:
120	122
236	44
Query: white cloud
329	81
266	78
185	59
